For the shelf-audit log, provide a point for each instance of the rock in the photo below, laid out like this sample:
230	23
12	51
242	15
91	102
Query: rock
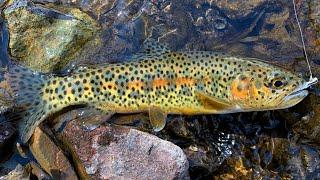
113	152
305	118
205	140
97	8
7	137
3	43
6	99
275	158
36	171
237	8
308	13
46	39
122	30
18	173
50	157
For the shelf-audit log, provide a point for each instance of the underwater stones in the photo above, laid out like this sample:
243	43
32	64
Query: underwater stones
18	173
98	8
202	140
44	38
311	11
6	99
7	136
272	158
237	8
121	25
50	157
307	122
111	152
298	161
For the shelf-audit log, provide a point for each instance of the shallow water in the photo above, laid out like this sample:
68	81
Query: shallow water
273	144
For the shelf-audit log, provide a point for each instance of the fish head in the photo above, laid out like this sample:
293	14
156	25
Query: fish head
266	87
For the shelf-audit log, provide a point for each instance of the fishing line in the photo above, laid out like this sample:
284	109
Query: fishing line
302	39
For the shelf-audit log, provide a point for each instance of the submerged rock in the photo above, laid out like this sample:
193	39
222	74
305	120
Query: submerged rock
110	152
304	119
18	173
237	8
7	136
46	39
35	170
275	158
5	101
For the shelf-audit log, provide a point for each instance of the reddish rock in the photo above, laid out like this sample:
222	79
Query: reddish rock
113	152
50	157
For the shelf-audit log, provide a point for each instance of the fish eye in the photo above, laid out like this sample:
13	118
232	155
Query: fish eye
278	83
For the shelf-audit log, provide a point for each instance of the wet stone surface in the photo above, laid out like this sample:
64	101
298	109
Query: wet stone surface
263	29
237	146
52	35
18	173
7	138
110	152
50	157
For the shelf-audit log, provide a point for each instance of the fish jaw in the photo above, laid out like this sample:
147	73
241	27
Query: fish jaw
298	94
293	99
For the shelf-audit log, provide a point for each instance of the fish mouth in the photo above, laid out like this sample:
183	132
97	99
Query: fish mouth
299	93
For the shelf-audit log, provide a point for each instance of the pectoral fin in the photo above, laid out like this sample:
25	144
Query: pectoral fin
157	118
213	103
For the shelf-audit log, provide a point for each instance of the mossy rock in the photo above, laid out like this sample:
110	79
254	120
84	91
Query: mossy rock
46	39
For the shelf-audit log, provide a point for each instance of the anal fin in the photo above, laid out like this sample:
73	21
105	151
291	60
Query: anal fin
157	118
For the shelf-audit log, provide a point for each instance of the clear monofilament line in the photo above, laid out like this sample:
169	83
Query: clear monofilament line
302	39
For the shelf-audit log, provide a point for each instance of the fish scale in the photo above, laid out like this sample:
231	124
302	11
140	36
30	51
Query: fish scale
160	82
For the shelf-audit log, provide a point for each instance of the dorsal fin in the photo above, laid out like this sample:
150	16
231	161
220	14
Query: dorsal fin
80	68
151	46
150	49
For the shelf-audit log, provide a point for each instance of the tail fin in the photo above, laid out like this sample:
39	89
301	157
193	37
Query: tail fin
27	90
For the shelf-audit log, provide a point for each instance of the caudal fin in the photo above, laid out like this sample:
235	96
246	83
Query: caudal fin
27	90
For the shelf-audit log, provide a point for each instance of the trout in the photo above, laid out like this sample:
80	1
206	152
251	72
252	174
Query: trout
159	82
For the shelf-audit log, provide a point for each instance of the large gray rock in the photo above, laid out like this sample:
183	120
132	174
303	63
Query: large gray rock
114	152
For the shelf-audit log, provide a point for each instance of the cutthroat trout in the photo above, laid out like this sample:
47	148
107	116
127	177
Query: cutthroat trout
160	82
